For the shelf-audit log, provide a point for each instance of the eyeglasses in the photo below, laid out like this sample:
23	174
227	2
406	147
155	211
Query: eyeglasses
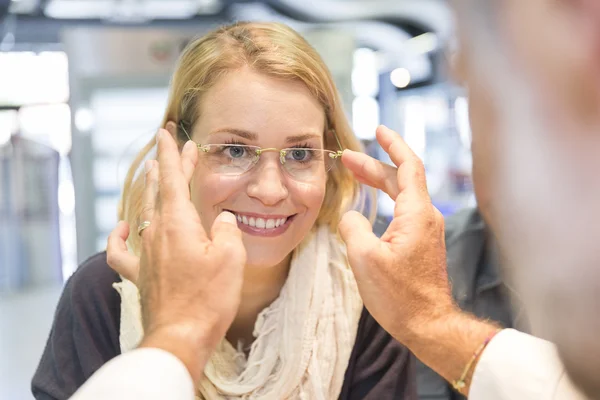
299	163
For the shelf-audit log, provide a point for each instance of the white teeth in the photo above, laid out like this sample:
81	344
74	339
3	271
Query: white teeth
280	221
261	223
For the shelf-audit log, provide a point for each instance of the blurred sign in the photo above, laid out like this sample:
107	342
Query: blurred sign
121	51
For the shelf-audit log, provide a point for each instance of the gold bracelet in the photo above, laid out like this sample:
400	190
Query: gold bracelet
460	383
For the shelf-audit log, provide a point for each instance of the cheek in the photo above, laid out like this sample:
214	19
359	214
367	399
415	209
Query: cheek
207	190
309	195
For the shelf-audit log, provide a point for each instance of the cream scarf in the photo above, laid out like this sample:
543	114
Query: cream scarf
303	339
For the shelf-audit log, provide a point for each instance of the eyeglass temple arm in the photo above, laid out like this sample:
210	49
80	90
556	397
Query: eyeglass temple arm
189	137
340	151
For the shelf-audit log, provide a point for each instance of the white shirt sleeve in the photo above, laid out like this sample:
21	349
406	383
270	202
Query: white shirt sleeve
147	373
518	366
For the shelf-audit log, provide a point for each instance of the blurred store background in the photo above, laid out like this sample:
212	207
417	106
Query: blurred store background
83	84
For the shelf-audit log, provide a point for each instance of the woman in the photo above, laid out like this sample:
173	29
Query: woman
264	112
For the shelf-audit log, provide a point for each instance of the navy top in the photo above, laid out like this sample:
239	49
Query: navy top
85	335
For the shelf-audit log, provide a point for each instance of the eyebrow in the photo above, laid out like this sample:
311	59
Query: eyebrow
302	137
253	136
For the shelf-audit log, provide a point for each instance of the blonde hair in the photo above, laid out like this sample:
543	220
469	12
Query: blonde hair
272	49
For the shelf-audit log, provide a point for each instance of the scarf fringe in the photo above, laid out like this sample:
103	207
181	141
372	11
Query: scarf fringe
303	339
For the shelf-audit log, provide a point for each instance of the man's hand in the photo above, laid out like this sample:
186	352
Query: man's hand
402	276
190	284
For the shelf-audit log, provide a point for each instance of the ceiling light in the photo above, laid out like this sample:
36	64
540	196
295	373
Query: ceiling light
79	9
400	77
131	11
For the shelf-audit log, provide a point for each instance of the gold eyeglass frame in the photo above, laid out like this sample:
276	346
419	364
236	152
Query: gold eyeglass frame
282	152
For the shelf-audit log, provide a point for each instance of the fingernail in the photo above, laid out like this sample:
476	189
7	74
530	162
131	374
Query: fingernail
228	217
189	145
148	165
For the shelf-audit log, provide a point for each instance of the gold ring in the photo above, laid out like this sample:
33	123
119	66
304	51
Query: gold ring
143	226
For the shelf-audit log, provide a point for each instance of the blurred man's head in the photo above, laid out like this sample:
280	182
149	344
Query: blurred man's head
532	69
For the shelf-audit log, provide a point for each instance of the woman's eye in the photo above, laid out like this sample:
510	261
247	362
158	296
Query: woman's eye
299	155
235	151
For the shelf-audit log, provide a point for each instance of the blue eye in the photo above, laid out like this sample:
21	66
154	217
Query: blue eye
300	155
235	151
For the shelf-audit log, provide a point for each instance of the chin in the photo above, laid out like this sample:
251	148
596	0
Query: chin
258	259
266	252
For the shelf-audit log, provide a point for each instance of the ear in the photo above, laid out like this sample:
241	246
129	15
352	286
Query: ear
172	128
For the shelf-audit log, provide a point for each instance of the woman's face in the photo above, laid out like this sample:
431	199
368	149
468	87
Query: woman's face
276	210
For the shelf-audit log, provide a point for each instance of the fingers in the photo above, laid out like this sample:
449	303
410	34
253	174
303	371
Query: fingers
117	255
372	172
411	180
361	243
393	144
173	185
189	159
150	190
227	237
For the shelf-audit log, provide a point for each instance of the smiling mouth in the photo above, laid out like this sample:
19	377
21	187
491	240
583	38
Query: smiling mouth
263	225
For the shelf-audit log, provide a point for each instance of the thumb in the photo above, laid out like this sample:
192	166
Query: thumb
362	245
227	237
117	255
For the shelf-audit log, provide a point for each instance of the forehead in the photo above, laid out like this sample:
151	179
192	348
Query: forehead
247	100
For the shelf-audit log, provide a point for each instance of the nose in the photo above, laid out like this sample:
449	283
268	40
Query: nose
267	182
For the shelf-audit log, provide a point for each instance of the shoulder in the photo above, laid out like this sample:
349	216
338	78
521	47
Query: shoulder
89	310
92	283
85	331
379	367
89	302
466	237
463	224
95	268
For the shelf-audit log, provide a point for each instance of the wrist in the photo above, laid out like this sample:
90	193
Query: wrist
453	328
433	326
191	343
447	343
463	383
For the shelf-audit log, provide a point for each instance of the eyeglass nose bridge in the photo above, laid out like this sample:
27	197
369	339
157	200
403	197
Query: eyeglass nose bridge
282	153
